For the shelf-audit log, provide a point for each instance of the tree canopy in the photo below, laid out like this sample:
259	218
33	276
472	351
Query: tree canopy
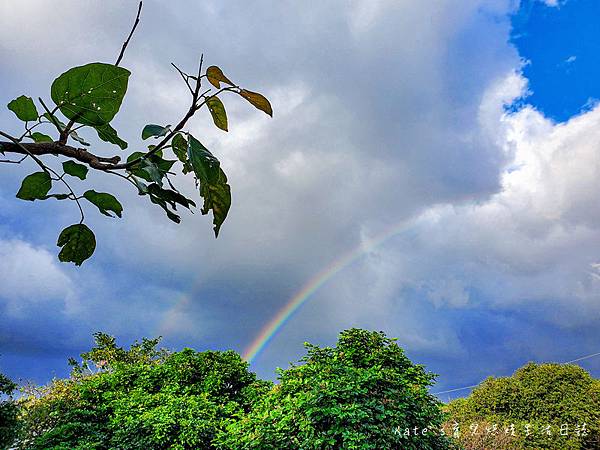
8	412
363	393
550	406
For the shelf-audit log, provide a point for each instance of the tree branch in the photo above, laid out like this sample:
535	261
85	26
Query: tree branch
55	148
135	24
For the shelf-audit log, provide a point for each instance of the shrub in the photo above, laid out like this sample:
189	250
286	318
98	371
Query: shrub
535	397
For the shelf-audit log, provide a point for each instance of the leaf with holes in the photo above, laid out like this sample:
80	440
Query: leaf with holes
215	76
217	197
106	203
213	182
24	108
179	145
78	244
90	94
75	170
217	111
258	101
35	186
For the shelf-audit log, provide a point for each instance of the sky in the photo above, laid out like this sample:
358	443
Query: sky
464	133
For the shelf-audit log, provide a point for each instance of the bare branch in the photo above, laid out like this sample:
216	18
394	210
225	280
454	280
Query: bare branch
135	24
185	77
60	178
11	161
54	148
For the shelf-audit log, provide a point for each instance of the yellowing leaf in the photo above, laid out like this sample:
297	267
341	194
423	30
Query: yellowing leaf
217	110
258	101
215	76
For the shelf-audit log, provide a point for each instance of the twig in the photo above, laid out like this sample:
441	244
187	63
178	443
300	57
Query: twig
51	115
10	161
185	77
135	24
72	193
64	134
199	79
22	147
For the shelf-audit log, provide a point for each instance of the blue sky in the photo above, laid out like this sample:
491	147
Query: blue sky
473	128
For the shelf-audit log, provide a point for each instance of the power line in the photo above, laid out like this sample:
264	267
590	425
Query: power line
582	358
475	385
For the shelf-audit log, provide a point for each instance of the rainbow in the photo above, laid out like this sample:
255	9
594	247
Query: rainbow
268	332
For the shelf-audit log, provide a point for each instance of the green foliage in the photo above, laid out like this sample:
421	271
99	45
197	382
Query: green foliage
8	412
35	186
213	182
538	395
40	137
155	131
106	203
24	108
140	397
75	170
109	134
78	244
361	394
91	95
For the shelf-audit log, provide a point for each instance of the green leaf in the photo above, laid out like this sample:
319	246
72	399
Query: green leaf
258	101
213	182
35	186
179	145
40	137
24	108
109	134
75	170
61	126
215	75
54	120
78	138
78	244
91	94
217	197
163	204
152	168
105	202
217	111
57	196
174	198
155	131
205	165
142	188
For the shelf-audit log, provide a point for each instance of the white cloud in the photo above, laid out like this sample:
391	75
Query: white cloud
533	243
551	3
32	276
